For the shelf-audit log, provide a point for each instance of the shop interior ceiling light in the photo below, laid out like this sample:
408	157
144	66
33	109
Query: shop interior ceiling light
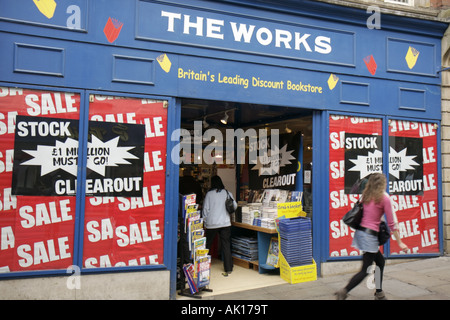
224	120
205	124
288	130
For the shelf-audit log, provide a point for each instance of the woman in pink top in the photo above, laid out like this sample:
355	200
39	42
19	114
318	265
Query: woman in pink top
376	203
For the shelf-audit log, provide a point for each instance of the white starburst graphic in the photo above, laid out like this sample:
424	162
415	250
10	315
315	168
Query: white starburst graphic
64	156
372	163
271	162
110	154
400	162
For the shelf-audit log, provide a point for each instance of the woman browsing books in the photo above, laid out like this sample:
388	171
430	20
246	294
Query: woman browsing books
217	220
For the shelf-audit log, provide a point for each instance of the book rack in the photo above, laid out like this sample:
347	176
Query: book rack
194	260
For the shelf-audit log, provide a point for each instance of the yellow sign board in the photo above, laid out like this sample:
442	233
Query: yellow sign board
290	209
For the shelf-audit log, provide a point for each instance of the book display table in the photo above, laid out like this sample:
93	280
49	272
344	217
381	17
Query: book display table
264	236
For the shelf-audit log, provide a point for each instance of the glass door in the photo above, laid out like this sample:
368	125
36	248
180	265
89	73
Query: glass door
413	184
355	151
125	182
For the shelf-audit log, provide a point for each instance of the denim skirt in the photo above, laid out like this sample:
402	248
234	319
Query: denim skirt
365	242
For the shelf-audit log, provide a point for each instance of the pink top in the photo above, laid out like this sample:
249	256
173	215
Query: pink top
374	211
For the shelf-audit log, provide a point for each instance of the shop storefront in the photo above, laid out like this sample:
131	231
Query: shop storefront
94	96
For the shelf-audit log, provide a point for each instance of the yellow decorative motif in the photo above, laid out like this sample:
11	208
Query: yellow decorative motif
332	81
164	62
411	57
46	7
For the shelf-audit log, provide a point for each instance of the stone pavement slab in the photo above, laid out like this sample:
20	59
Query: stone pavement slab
422	279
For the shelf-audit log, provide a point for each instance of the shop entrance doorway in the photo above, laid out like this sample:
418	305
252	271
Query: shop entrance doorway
207	126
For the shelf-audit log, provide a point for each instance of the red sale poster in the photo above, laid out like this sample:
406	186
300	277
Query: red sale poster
124	230
36	229
355	152
413	184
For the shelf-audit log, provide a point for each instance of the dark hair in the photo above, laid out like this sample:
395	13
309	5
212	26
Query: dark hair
216	183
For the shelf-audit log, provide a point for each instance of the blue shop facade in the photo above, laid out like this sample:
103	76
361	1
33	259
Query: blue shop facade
95	96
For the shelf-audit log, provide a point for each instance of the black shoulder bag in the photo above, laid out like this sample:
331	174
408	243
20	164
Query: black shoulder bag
353	217
384	233
229	203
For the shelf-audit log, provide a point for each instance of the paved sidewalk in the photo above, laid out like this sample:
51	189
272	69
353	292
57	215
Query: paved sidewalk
424	279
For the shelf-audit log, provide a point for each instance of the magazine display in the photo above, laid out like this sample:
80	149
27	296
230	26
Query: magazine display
261	208
272	254
197	272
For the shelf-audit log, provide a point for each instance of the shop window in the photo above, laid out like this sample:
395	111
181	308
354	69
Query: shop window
356	150
37	157
39	170
125	182
355	146
402	2
413	184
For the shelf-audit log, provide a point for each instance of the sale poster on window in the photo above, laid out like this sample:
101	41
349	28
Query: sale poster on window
36	228
413	184
115	159
279	170
45	156
355	152
39	167
46	153
127	230
363	156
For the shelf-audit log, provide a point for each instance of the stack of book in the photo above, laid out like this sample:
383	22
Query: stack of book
296	241
250	212
269	212
273	196
245	248
270	196
262	210
268	223
257	222
294	196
